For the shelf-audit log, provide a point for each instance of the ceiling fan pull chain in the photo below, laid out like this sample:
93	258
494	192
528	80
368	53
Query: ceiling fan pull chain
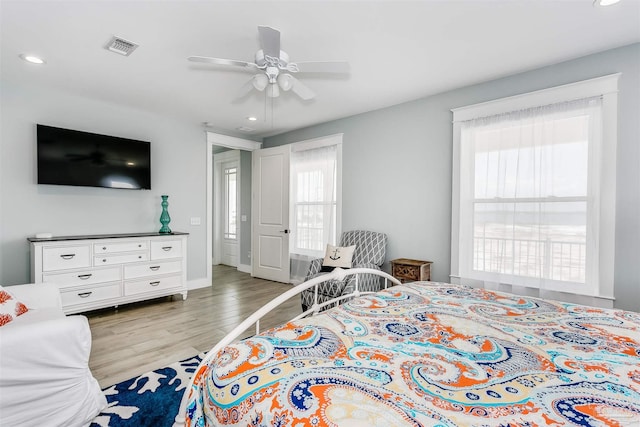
265	107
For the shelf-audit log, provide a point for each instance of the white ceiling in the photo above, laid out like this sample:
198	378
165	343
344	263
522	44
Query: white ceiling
398	51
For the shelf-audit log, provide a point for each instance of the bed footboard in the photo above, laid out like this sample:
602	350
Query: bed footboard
254	319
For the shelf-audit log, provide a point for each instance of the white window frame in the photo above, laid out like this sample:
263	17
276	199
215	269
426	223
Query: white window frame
605	87
227	195
311	144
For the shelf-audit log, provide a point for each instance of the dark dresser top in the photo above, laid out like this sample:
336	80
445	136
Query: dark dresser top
103	236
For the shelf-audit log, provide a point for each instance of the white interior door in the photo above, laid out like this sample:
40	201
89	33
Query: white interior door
270	212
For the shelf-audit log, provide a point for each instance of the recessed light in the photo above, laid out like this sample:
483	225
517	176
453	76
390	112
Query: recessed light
31	58
131	164
605	2
252	118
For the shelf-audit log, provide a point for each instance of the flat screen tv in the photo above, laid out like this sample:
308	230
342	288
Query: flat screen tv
71	157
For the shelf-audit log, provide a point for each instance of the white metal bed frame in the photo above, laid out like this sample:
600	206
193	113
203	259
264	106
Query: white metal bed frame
337	274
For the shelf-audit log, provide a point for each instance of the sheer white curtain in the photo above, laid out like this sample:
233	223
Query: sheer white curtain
529	198
313	205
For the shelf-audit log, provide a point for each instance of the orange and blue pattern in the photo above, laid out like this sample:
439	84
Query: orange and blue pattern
430	354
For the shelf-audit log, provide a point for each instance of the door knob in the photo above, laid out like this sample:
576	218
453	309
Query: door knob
285	231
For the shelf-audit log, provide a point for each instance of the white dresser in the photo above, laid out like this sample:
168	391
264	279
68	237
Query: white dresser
108	270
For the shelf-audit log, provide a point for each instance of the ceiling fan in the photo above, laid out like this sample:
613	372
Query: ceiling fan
273	69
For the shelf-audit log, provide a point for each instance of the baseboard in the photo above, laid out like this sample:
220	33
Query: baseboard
198	283
245	268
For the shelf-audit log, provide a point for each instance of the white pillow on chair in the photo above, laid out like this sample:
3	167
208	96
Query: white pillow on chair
338	256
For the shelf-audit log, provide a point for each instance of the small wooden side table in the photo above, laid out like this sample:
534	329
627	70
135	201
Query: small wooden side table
410	270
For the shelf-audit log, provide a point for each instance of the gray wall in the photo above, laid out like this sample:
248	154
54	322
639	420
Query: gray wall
178	158
397	164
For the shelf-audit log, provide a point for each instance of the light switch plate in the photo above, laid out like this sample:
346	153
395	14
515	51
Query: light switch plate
195	220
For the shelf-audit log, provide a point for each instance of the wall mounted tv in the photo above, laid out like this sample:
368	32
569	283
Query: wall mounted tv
71	157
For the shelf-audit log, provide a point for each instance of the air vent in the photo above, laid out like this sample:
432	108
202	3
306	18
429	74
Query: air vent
245	129
121	46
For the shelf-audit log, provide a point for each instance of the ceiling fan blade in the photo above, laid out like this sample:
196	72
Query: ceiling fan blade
301	90
337	67
248	66
270	41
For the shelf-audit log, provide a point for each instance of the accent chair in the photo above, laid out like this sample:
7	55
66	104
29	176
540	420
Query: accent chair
370	252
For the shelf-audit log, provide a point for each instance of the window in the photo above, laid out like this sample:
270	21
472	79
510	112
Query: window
230	196
314	198
531	196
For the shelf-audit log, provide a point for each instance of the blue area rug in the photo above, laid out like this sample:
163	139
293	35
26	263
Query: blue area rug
150	400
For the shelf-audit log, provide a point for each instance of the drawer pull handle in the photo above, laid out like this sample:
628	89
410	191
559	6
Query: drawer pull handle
139	246
154	283
104	248
139	256
104	260
154	267
84	276
67	256
166	248
84	294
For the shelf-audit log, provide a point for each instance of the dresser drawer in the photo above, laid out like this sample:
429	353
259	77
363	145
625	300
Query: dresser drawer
108	248
84	277
151	285
162	267
120	258
163	249
90	294
63	258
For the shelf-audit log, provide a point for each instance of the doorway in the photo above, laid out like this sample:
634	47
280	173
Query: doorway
227	186
216	144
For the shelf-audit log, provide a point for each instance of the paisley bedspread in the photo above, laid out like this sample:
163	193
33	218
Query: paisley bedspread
431	354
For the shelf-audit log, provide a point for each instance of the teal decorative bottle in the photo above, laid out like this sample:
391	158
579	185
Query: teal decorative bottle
165	219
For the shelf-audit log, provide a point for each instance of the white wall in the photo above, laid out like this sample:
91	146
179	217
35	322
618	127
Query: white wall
397	164
178	161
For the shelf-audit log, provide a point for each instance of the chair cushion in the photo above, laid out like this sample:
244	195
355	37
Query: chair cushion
10	307
370	246
338	256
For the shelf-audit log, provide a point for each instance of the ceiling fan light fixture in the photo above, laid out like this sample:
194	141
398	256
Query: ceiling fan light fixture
260	81
285	81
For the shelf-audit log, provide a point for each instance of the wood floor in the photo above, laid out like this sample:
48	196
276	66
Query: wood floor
137	338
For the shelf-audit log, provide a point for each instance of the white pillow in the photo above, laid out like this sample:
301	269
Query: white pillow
338	256
10	307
